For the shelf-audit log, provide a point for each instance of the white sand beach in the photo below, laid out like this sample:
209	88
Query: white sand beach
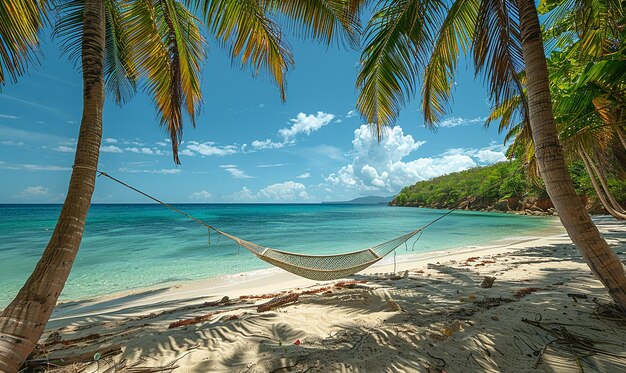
545	312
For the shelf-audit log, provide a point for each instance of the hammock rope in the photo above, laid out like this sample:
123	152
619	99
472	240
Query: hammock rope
314	267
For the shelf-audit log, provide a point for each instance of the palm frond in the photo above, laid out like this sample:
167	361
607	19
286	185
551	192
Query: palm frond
397	38
120	72
325	20
454	36
244	28
21	21
119	68
497	50
168	50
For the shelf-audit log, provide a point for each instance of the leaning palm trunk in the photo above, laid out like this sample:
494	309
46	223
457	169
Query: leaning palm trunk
23	321
601	259
593	162
599	191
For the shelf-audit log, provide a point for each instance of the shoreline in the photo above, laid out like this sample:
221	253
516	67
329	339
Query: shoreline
543	311
267	280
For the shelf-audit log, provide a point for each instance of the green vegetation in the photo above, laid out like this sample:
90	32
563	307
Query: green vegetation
490	187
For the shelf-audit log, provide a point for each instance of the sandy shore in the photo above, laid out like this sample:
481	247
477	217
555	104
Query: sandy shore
545	312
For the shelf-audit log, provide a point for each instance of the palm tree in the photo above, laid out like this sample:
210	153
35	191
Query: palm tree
116	43
504	37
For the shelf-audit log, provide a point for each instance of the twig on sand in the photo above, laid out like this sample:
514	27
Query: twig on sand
278	302
442	362
72	359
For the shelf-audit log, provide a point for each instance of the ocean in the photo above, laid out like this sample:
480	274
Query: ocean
132	246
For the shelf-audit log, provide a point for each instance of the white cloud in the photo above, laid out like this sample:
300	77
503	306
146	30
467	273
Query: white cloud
187	152
110	149
140	150
12	143
31	167
202	195
490	154
303	123
305	175
381	167
64	149
35	191
272	165
8	116
235	172
458	121
266	144
161	143
110	140
164	171
351	113
209	148
285	192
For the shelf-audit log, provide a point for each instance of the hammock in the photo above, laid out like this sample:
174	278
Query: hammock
314	267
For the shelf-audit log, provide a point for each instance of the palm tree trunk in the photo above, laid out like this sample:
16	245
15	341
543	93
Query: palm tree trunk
24	320
599	191
601	259
593	162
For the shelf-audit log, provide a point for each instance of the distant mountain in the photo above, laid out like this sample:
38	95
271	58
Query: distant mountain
369	200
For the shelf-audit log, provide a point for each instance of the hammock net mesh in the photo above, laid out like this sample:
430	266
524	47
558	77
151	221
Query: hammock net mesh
322	267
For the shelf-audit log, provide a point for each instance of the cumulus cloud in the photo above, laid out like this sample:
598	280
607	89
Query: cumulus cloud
287	191
351	113
140	150
39	193
266	144
35	191
302	123
202	195
235	172
381	167
110	140
110	149
208	148
305	175
458	121
490	154
161	143
64	149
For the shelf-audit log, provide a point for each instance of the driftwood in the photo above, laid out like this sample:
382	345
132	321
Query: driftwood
83	357
278	302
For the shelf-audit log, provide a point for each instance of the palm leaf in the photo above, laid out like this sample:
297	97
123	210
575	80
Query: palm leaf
168	49
244	28
455	35
325	20
120	72
20	24
497	50
397	38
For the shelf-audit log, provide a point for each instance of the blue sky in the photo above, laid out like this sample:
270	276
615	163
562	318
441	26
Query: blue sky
248	146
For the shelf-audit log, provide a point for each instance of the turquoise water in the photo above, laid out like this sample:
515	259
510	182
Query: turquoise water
134	246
